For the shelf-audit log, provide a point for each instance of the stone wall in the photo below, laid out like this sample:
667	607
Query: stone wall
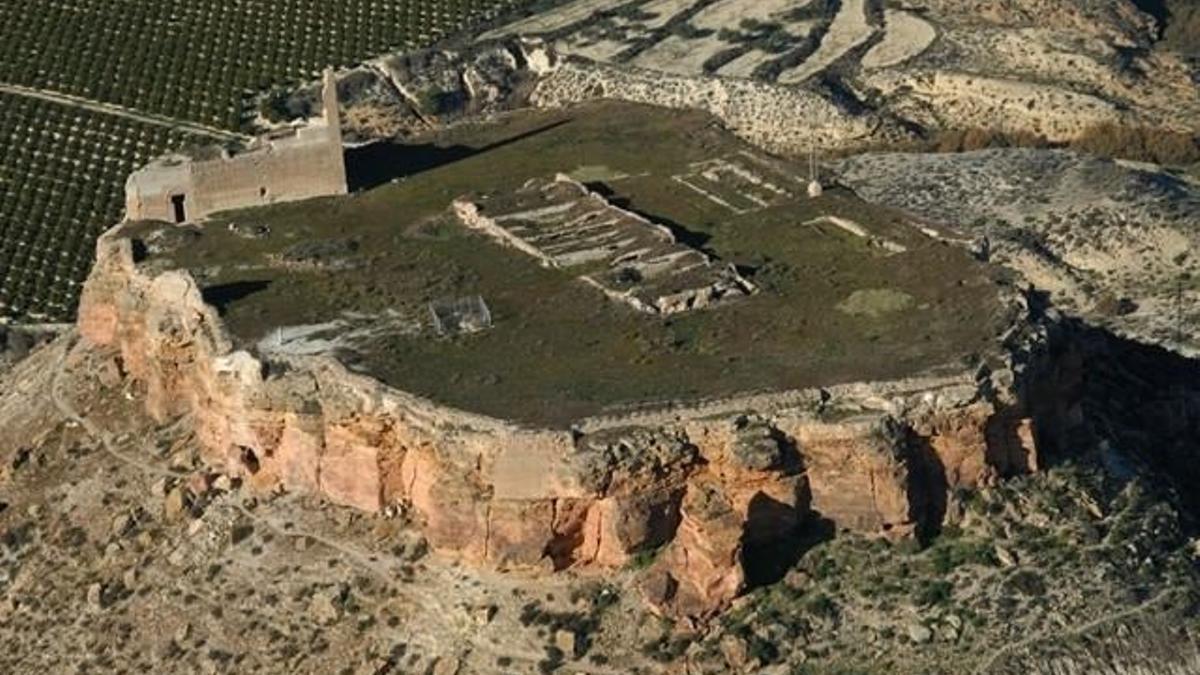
788	120
701	482
298	164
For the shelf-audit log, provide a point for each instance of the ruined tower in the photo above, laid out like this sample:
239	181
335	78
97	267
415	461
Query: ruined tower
289	164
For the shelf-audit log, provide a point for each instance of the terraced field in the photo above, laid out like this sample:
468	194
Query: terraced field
106	64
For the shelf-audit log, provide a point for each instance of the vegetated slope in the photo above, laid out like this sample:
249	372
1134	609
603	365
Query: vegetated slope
61	184
1112	241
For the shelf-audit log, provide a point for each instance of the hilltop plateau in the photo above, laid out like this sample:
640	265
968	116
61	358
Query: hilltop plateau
617	336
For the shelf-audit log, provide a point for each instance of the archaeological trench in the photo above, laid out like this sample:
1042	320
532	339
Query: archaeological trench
705	483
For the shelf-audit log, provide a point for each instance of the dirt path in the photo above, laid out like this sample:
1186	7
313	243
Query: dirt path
439	621
120	111
1074	631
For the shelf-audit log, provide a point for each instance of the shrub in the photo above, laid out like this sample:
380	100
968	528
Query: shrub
1143	144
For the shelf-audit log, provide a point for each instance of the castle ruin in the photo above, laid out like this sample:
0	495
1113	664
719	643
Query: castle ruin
287	165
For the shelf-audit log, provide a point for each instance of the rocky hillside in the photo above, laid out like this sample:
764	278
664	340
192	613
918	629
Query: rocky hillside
1114	242
914	73
125	550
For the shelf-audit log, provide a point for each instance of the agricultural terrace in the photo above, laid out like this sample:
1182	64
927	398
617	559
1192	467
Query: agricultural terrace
60	184
197	60
63	166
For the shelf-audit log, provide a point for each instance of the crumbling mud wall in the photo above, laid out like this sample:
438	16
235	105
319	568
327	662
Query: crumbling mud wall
293	164
700	482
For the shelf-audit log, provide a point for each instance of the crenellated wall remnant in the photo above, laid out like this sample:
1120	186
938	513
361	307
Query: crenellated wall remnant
291	164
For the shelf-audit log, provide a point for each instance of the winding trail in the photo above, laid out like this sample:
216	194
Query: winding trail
455	628
120	111
1074	631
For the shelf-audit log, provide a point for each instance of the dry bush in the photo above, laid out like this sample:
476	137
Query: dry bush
977	138
1143	144
1183	27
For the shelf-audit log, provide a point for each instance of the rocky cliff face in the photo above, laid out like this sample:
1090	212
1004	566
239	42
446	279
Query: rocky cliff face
697	484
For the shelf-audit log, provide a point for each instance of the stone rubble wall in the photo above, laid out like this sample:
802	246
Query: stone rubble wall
787	120
699	481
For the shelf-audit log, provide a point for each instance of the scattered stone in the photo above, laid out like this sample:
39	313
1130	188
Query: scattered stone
176	504
447	665
160	487
796	578
301	543
327	604
484	614
919	633
1006	557
199	483
180	461
108	372
735	651
223	483
121	525
34	510
95	596
182	633
8	607
145	540
130	578
567	641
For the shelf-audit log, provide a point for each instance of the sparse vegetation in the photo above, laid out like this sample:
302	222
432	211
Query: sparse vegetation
515	367
1143	144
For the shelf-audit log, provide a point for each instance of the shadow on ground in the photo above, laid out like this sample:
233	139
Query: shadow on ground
223	295
370	166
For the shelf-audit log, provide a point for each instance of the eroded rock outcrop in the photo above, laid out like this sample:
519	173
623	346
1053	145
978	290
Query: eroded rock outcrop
699	482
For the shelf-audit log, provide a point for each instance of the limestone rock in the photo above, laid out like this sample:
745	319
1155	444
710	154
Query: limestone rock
1006	556
327	605
919	633
704	559
176	504
484	614
95	596
735	651
567	641
447	665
